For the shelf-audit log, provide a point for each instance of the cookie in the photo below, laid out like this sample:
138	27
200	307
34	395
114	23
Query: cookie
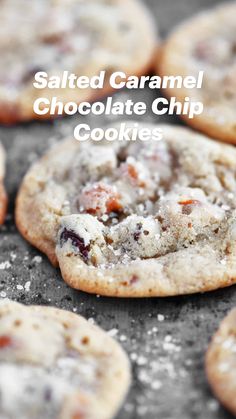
3	196
135	218
81	37
221	362
206	42
55	364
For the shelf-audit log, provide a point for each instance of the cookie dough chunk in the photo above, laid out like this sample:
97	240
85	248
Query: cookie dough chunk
156	218
221	362
206	42
3	196
56	365
82	37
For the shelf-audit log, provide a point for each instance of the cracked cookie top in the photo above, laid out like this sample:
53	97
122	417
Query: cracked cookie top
112	207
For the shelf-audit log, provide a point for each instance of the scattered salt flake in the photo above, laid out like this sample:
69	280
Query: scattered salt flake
110	280
117	252
37	259
142	410
112	332
228	343
123	338
213	405
160	317
152	331
114	221
144	376
100	274
224	367
12	256
27	286
91	320
5	265
225	207
171	347
156	385
3	294
20	287
74	309
223	262
141	360
133	356
141	207
66	203
128	407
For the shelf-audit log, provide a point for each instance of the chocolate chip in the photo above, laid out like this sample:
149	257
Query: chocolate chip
187	209
30	73
137	233
77	242
134	279
48	394
52	38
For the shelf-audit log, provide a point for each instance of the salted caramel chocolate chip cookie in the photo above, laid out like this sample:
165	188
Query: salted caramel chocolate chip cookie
3	196
56	365
221	362
206	42
82	37
135	218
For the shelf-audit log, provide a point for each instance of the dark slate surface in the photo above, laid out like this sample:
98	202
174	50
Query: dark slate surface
165	338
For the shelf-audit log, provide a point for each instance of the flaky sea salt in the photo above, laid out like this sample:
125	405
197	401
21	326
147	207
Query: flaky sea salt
133	356
213	405
37	259
224	367
171	347
27	286
5	265
12	256
160	317
112	332
156	385
141	360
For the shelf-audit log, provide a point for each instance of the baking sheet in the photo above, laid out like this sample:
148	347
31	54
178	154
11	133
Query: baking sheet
165	338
